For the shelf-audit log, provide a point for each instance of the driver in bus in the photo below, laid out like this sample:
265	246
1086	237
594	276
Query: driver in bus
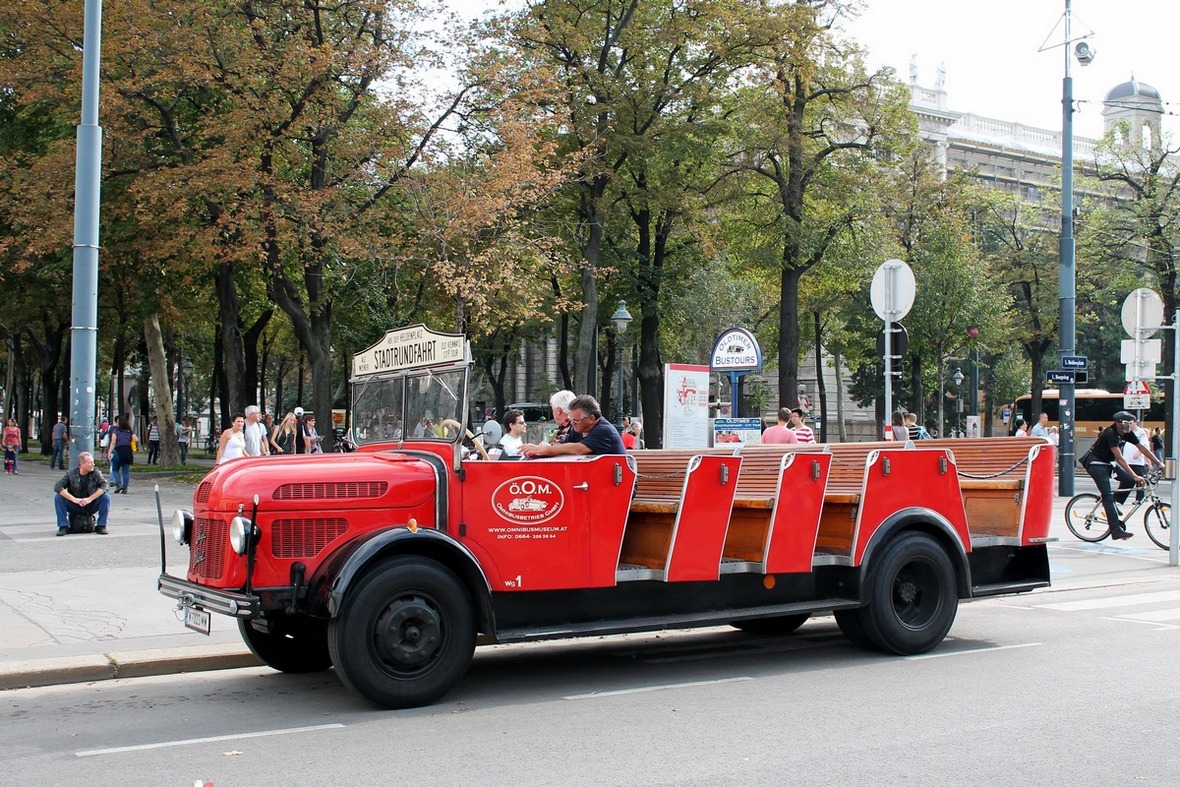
591	434
1107	451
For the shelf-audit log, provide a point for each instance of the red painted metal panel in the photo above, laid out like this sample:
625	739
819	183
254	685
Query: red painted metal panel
698	536
897	479
547	524
795	519
1039	490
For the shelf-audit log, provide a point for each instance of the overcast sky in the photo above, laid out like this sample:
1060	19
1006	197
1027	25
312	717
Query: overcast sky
989	48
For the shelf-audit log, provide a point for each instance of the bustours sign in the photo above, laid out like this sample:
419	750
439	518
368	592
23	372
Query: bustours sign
736	350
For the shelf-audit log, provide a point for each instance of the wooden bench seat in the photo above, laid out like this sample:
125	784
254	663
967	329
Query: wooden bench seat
776	508
758	484
659	484
678	518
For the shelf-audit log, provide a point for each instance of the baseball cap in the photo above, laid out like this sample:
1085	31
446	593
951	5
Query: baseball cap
299	411
1124	416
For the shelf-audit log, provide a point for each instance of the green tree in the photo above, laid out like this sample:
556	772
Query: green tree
808	112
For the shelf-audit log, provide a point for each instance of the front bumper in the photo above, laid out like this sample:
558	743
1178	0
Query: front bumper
223	602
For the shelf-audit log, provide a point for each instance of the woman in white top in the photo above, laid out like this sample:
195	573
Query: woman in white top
514	430
233	441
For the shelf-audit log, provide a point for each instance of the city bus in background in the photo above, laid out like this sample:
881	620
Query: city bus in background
1091	415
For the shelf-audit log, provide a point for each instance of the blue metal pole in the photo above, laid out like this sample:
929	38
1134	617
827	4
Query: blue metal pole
84	328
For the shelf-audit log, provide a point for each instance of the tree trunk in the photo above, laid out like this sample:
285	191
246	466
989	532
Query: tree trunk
165	416
788	334
49	348
250	340
820	385
233	352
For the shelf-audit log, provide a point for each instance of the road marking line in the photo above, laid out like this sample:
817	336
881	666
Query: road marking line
645	689
1153	624
1111	602
214	739
1153	616
1130	554
973	650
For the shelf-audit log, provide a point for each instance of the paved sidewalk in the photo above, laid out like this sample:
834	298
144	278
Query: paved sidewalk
85	607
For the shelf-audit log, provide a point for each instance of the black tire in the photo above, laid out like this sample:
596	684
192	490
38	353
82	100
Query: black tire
849	621
911	600
292	645
1157	522
1086	517
405	634
777	626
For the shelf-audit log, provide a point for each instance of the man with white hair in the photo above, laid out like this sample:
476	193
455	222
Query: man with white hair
255	433
559	403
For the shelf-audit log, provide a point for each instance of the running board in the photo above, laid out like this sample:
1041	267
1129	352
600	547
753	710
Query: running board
684	621
1001	588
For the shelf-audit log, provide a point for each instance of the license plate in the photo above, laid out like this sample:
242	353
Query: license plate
197	619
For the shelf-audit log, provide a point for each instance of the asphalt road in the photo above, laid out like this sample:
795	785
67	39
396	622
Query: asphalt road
1074	686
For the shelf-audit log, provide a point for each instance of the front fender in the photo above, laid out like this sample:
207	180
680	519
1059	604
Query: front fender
926	521
430	544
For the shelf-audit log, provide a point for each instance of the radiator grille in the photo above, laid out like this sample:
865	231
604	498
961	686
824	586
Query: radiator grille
203	490
206	552
331	490
304	538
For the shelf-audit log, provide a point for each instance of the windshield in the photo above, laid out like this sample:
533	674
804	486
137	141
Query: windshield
377	411
434	404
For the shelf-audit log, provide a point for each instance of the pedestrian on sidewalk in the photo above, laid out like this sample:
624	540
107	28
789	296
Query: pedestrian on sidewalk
256	433
121	454
11	440
61	433
82	491
154	441
183	432
232	444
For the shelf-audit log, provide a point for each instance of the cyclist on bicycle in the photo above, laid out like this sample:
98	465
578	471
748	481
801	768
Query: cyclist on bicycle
1107	452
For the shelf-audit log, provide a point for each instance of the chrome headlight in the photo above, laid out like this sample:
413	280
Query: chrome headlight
182	526
241	530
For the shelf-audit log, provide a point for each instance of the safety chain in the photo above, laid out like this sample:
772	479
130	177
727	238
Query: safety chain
994	475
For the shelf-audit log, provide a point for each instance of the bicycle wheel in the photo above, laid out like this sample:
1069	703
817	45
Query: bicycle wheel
1086	518
1156	521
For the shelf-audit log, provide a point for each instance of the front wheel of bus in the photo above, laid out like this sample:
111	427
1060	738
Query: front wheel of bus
911	600
405	635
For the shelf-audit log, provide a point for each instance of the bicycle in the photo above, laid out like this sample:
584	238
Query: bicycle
1087	519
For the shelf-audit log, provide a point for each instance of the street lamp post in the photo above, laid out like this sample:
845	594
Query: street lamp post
186	373
1066	286
958	378
621	318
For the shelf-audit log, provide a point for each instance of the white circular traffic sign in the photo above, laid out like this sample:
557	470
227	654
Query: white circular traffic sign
1142	309
892	291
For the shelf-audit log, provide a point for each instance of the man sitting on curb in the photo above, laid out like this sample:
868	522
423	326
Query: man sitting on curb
83	491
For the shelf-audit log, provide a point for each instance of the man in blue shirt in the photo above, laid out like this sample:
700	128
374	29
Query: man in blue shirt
592	434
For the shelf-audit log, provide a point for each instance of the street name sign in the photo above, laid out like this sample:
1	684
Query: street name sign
1073	362
1061	377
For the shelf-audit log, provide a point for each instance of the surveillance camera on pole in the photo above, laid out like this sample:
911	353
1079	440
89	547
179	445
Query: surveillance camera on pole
1084	53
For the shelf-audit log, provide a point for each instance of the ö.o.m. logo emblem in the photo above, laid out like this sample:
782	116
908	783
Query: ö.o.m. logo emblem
528	500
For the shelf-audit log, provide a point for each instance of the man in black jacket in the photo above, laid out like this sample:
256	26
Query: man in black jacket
82	490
